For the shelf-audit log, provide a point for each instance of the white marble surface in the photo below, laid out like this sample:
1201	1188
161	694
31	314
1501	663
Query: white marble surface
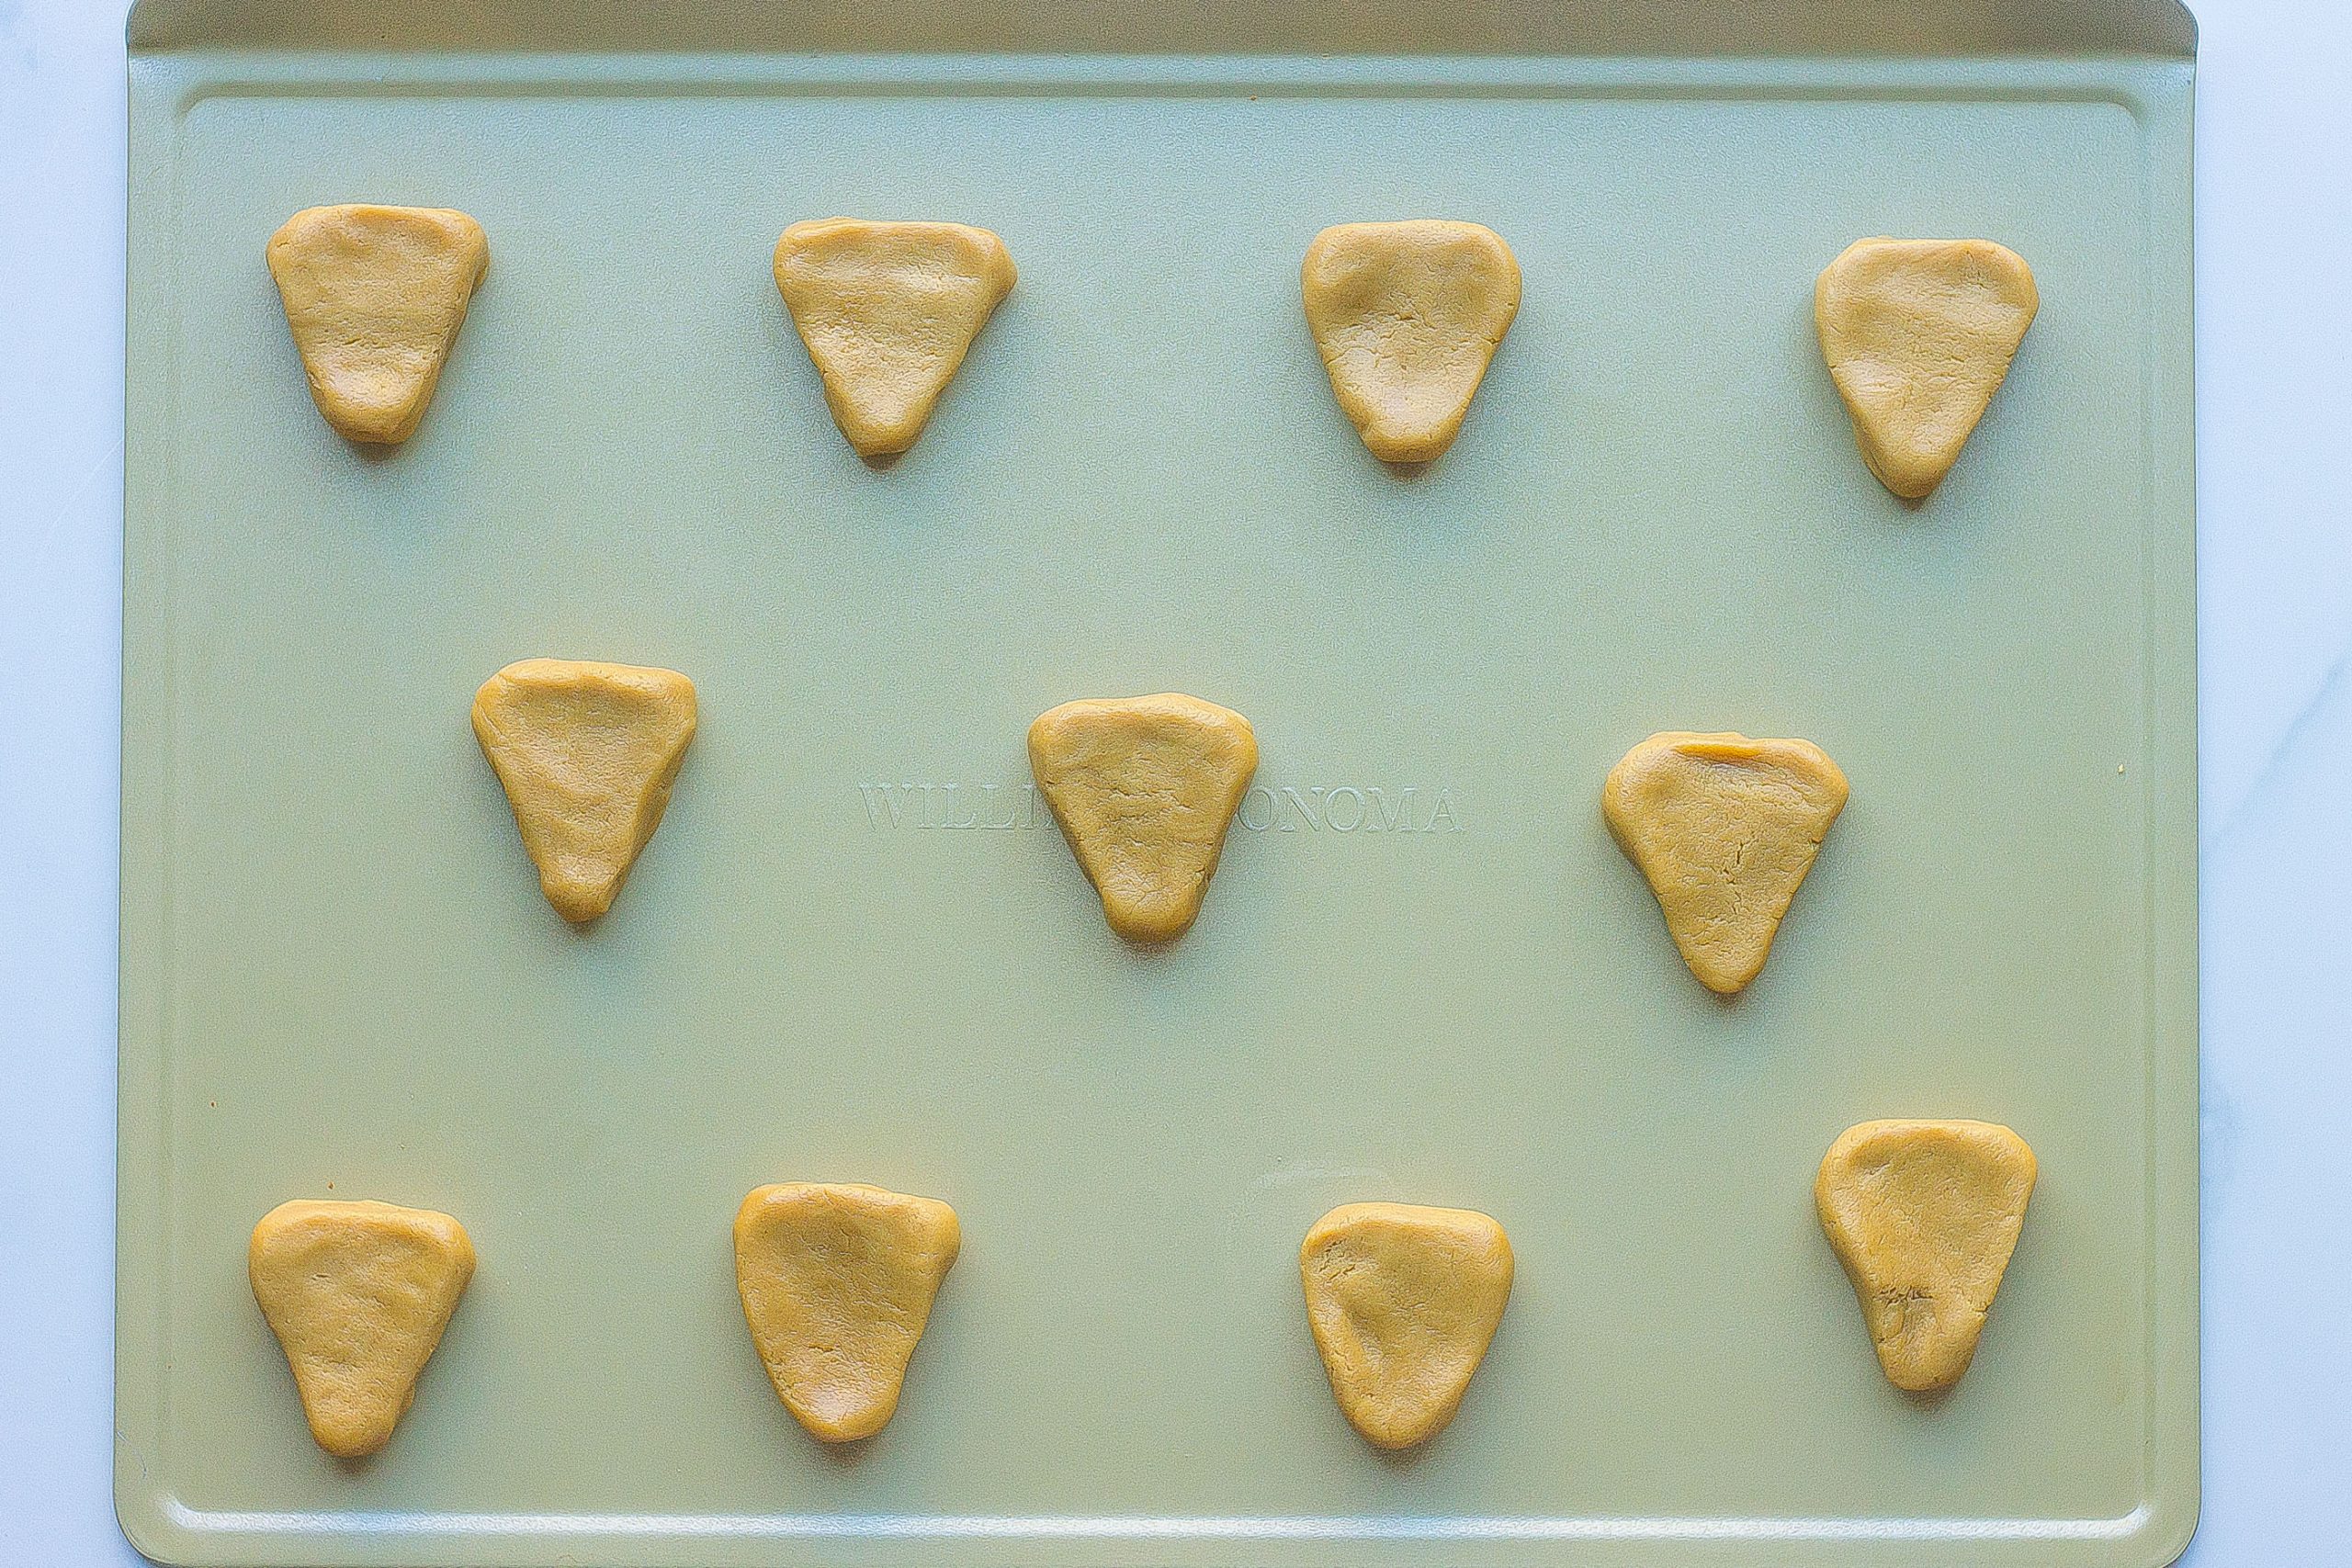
2274	238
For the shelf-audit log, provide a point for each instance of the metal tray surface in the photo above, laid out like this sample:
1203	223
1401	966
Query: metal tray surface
858	948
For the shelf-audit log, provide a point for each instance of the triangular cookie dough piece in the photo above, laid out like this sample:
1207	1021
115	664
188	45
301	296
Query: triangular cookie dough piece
1924	1216
1403	1301
1407	316
1144	789
888	310
1920	334
587	753
376	296
358	1294
1724	828
837	1281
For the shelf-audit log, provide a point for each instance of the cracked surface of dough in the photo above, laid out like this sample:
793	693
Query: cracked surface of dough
1924	1216
1724	828
888	311
1918	334
375	296
358	1294
1144	789
1408	316
1403	1301
587	753
837	1281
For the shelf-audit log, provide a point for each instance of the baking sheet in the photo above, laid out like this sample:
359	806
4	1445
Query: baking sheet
858	949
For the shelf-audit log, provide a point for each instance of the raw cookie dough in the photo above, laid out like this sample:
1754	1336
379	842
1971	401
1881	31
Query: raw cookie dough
358	1294
1724	828
1920	334
1924	1215
376	296
837	1281
1403	1301
888	310
1407	316
1144	789
587	753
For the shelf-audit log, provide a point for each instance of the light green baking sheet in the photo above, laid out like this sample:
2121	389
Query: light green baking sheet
858	950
